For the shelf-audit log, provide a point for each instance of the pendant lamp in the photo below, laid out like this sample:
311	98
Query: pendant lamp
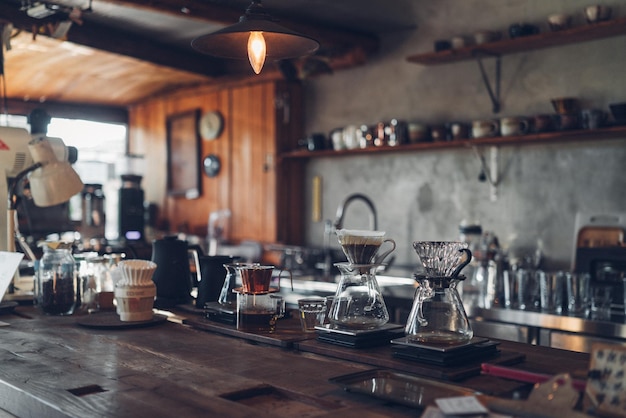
256	36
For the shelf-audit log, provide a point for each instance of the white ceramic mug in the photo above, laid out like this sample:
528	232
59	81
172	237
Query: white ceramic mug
484	128
513	126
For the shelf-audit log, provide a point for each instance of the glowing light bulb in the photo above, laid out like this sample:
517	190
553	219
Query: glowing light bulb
256	51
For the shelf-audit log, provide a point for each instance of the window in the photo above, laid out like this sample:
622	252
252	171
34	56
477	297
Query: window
101	151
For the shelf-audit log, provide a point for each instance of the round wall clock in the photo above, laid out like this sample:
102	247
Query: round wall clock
211	125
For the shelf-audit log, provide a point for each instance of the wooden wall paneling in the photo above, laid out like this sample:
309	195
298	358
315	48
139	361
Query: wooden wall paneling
216	190
241	199
264	194
146	137
289	122
269	166
252	201
190	215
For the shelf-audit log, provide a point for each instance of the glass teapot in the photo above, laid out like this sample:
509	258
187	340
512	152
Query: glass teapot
437	316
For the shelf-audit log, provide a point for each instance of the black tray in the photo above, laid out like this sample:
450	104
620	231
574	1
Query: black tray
111	320
405	389
359	338
476	350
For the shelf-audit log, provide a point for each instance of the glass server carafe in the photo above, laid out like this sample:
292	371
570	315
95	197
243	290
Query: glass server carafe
55	284
358	302
437	316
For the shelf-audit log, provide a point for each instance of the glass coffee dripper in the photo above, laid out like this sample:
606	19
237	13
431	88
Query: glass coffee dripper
437	316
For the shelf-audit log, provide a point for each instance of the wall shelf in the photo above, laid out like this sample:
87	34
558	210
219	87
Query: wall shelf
586	135
576	34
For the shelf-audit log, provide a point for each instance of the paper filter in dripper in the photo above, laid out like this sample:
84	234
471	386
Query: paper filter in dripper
361	246
136	272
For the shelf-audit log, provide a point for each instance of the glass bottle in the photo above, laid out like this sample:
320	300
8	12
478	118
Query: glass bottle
358	301
55	280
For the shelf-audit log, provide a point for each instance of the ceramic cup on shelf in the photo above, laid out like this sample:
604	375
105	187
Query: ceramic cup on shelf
511	126
559	21
593	118
418	132
543	123
485	128
438	133
458	130
597	13
486	36
458	42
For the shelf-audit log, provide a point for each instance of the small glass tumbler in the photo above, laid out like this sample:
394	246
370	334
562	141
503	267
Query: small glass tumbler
601	296
312	313
551	291
578	297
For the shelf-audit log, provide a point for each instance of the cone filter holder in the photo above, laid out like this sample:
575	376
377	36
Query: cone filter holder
442	258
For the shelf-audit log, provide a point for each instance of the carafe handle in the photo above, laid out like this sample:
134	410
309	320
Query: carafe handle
468	255
382	256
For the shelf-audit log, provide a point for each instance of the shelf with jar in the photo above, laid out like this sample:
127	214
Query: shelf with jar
570	35
606	133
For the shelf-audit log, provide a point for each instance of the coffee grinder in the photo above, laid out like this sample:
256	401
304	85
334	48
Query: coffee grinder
131	202
131	218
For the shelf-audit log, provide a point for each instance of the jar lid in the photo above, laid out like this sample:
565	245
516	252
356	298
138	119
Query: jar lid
56	245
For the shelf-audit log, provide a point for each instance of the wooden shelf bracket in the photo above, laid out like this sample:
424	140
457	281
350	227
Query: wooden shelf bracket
494	92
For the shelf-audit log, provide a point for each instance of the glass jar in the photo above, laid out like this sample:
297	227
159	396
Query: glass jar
55	280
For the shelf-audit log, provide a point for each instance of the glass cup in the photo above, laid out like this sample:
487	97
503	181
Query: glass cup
578	297
527	287
551	291
312	313
601	296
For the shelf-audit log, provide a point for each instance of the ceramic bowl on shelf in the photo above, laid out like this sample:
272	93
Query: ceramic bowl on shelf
565	105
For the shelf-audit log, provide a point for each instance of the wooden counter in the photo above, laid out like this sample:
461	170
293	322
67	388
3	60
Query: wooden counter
53	367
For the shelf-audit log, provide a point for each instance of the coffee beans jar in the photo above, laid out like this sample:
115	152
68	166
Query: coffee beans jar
55	280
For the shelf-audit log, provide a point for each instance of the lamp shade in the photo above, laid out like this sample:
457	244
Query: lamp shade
54	181
232	41
256	36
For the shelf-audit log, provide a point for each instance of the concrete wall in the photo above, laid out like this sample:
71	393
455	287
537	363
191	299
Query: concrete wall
425	195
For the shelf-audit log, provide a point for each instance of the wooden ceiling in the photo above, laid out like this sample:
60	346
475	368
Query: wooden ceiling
119	52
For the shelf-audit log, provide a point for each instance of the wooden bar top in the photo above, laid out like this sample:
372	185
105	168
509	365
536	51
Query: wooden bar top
54	367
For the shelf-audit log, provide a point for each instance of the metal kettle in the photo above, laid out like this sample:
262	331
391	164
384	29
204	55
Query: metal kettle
172	276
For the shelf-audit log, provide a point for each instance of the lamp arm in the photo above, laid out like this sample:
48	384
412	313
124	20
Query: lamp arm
13	198
12	203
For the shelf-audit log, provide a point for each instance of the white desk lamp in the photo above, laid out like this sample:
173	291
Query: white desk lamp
45	161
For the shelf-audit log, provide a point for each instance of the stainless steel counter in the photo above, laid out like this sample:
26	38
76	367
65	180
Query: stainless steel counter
616	328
